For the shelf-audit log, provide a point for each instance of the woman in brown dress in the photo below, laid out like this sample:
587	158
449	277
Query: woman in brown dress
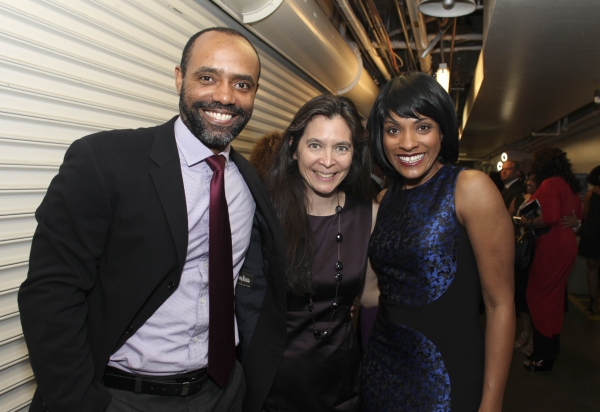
319	184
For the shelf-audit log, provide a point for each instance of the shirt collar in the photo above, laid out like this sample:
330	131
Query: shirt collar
506	186
191	148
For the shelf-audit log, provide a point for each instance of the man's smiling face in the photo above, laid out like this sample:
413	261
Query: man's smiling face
216	94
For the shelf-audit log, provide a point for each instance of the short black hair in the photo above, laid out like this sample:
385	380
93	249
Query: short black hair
411	95
594	177
187	50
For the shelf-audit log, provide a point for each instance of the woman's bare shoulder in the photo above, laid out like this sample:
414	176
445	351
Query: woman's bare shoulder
381	195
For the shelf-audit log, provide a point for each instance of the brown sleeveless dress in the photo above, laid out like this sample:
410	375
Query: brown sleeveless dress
324	375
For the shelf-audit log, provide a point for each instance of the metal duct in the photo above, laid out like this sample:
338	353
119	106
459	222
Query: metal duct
417	22
249	11
301	32
364	94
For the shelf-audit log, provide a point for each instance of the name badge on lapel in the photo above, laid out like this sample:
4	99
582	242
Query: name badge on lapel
245	279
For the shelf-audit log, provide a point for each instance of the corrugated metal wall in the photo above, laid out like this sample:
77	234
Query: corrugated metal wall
69	68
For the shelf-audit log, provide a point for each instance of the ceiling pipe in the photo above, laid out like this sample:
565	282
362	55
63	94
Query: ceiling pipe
420	33
450	59
433	43
398	44
400	11
362	37
373	28
572	125
557	133
459	37
553	140
454	79
383	39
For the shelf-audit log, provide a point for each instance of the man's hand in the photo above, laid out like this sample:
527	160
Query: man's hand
571	221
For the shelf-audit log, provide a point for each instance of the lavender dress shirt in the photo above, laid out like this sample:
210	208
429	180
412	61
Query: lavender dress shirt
174	339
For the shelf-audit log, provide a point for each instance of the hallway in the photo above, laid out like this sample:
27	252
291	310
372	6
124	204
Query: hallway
574	383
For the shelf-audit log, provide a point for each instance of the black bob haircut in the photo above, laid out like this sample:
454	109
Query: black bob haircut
187	50
412	95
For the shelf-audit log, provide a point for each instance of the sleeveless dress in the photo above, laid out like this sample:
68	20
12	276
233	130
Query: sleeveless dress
324	375
426	351
589	243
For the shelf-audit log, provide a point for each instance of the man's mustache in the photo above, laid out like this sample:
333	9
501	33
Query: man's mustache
231	108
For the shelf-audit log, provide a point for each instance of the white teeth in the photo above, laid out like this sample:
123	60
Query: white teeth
326	175
411	159
218	116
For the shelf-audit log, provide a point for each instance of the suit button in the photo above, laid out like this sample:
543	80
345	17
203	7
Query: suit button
129	330
171	285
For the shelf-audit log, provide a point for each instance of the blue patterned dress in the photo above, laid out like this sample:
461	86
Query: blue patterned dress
426	351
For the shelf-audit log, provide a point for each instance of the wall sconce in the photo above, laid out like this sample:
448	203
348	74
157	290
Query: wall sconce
443	76
447	8
499	166
504	157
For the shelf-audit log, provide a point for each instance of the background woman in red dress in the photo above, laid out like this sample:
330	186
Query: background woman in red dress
555	253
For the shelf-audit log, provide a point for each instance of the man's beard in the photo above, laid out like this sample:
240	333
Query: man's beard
212	136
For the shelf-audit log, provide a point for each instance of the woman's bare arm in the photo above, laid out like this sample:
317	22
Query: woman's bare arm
480	209
369	296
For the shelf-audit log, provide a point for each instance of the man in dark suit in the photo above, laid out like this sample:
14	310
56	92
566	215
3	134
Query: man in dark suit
512	185
115	305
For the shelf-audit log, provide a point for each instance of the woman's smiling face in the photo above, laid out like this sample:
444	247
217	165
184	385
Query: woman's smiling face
413	147
324	154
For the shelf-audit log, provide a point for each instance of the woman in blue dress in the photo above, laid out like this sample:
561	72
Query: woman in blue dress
442	240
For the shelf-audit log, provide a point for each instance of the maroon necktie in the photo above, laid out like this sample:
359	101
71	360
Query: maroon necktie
221	335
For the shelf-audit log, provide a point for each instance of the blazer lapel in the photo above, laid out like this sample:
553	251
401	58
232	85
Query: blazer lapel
168	182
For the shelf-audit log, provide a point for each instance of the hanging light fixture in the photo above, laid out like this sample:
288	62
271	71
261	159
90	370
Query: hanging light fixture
447	8
443	76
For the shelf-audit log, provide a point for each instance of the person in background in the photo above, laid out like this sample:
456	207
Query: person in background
512	185
589	243
320	186
129	300
525	340
530	188
521	176
435	257
261	156
555	252
495	176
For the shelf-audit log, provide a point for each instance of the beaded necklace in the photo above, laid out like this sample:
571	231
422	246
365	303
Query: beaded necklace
322	334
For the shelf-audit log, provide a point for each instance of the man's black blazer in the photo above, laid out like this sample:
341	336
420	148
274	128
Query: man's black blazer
513	190
109	249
